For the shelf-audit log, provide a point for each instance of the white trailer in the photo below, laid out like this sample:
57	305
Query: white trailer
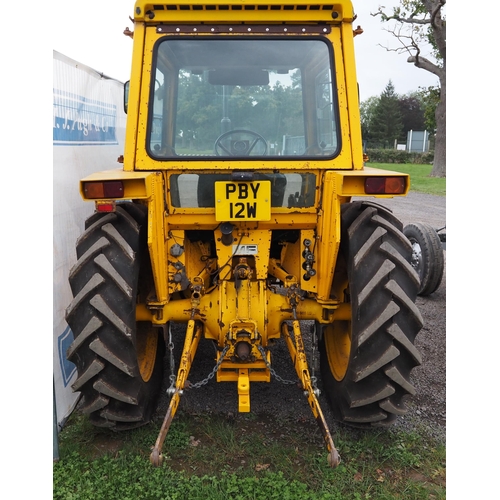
88	136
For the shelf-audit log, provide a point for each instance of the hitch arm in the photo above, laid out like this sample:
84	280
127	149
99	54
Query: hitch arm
298	354
191	341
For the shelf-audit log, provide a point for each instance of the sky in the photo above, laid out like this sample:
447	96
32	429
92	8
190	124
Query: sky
94	36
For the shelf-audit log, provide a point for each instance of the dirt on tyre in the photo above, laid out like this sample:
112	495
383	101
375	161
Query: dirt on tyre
368	353
427	256
119	360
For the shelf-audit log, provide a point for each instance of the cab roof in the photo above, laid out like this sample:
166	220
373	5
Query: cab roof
280	11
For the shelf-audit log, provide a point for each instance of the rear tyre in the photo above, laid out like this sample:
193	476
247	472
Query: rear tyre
368	353
427	256
119	360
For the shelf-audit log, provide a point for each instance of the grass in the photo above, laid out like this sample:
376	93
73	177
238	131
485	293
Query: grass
209	456
419	177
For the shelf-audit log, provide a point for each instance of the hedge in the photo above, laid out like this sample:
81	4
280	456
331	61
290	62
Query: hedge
398	156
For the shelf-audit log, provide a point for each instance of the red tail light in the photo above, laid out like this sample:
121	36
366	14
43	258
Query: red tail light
105	207
385	185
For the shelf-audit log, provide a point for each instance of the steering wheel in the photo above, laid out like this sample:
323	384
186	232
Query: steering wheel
242	144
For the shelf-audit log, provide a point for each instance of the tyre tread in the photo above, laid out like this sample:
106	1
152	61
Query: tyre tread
104	282
432	256
383	288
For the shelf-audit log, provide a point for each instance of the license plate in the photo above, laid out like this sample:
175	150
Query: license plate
239	201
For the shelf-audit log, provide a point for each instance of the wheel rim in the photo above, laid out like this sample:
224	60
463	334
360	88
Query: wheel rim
337	338
146	348
416	255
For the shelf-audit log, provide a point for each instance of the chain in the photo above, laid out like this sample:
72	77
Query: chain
273	372
313	363
171	389
212	373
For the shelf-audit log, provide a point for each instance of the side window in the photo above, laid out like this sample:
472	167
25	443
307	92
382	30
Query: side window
126	88
327	136
159	98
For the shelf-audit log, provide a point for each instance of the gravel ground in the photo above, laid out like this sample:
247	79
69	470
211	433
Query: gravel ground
426	410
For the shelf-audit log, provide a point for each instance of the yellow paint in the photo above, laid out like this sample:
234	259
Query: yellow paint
146	347
243	391
222	284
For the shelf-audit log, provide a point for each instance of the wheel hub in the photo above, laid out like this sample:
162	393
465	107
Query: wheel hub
338	347
147	345
416	255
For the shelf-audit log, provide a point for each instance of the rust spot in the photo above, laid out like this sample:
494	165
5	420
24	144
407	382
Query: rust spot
323	430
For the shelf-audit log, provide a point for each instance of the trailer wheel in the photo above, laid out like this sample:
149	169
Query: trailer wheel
427	256
367	354
119	360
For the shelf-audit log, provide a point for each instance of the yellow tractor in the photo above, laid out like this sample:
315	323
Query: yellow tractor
234	213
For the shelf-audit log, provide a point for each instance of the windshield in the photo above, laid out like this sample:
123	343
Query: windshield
242	98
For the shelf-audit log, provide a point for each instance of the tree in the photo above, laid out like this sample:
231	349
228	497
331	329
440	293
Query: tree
415	107
412	114
386	122
367	109
429	97
420	23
